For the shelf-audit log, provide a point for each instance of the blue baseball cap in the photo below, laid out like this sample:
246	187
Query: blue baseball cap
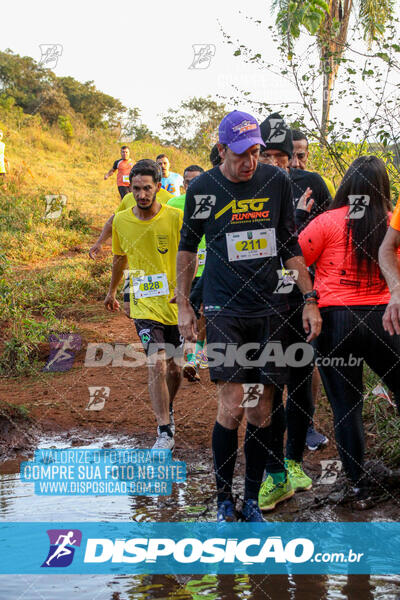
239	131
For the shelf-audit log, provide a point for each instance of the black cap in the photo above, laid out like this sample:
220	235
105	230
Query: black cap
276	134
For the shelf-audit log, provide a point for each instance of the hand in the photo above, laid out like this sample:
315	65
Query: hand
111	303
106	176
187	322
94	250
303	204
391	318
312	321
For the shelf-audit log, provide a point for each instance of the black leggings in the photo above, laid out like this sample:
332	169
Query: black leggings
352	335
299	404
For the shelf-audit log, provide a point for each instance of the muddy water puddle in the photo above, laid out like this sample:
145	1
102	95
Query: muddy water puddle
191	500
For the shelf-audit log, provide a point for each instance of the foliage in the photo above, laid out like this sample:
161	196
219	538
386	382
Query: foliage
194	124
66	127
37	90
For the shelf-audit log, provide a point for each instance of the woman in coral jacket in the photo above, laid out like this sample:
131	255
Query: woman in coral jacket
343	243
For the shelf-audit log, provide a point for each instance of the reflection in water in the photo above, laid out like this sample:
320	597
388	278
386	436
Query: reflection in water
187	502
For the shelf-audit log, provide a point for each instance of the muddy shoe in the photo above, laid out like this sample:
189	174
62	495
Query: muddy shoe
201	359
271	494
251	512
226	512
314	439
298	479
164	442
191	371
362	498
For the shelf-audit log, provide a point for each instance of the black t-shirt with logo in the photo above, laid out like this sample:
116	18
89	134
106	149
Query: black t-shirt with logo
249	228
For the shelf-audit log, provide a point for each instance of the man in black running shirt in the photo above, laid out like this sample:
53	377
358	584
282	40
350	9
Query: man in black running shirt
245	211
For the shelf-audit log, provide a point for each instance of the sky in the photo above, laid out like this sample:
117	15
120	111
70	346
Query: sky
141	52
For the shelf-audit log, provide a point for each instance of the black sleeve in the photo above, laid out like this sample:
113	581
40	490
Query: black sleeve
288	245
116	163
301	217
322	200
193	228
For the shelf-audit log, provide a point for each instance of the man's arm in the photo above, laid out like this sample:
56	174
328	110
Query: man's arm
105	234
312	321
109	173
389	265
119	265
185	271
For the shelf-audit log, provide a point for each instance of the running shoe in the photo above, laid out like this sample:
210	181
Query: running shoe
314	439
164	441
226	512
191	371
298	479
271	494
201	359
251	512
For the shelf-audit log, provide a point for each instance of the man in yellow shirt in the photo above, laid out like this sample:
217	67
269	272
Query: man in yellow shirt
128	201
146	239
3	160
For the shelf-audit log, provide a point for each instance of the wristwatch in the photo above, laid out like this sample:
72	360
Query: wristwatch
313	295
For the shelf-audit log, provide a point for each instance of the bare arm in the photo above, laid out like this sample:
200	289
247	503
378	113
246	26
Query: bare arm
105	234
389	264
110	172
119	264
185	269
312	321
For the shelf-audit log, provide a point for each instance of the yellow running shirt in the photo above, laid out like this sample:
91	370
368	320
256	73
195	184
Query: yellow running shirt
128	201
151	247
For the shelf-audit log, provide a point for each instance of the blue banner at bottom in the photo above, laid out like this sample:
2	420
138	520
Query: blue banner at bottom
200	548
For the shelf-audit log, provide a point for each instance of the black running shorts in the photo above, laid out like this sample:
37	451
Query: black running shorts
237	349
156	336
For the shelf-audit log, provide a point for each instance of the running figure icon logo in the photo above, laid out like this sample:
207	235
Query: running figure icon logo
252	393
50	53
204	206
98	397
357	206
278	131
62	351
287	280
203	54
62	547
330	470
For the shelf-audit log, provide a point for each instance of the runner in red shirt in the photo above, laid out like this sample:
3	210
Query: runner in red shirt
123	167
343	243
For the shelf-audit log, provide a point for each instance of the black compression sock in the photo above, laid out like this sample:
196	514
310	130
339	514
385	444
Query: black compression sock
224	445
255	450
166	428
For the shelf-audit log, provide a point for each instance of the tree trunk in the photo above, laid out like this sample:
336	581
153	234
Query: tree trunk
332	46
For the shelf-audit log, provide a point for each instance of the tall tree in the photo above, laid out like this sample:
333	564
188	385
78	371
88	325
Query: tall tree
329	22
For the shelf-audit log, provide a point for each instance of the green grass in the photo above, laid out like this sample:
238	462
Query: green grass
47	281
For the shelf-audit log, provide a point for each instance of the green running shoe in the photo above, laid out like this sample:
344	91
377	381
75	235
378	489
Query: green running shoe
298	479
271	494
